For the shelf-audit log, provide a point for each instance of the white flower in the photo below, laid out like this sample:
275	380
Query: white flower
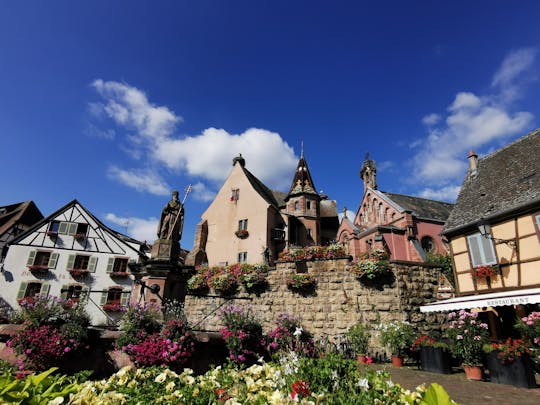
161	378
170	386
363	383
56	401
334	375
390	383
298	332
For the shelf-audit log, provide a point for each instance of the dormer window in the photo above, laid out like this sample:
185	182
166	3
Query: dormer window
78	230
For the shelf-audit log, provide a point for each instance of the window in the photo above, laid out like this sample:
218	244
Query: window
31	289
73	292
82	262
278	234
308	205
41	260
67	228
428	244
538	221
235	194
242	257
296	205
481	250
114	296
117	265
243	224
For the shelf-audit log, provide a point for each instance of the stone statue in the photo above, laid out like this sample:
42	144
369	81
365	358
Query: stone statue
172	220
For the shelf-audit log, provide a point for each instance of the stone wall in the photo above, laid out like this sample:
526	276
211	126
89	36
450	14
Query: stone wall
338	301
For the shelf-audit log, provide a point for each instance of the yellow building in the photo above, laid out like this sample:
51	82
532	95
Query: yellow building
494	235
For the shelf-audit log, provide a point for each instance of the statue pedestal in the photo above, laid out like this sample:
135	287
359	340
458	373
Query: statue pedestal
165	249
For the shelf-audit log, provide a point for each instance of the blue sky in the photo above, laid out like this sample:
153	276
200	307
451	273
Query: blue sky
116	103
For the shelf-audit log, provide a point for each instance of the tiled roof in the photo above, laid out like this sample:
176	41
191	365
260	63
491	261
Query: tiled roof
505	180
422	207
24	212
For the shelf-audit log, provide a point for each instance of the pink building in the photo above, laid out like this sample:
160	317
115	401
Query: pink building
406	227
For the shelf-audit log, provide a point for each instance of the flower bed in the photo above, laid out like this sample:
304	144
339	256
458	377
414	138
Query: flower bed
333	251
301	281
509	363
226	279
371	265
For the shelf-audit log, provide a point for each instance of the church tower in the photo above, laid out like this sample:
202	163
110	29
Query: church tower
368	173
303	208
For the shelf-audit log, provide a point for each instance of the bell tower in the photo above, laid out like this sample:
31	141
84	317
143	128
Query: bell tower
368	173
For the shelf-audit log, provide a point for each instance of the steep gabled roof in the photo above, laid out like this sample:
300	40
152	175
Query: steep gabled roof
26	212
505	181
302	182
72	203
422	207
260	188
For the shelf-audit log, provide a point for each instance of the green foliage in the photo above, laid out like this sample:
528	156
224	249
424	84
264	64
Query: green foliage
436	395
138	322
445	263
36	389
358	338
371	264
396	335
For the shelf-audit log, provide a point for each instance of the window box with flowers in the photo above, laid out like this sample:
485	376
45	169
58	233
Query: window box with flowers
225	283
119	274
38	268
79	273
301	282
52	234
114	307
79	236
434	356
485	271
509	363
242	233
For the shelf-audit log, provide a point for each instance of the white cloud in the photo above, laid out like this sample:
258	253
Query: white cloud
202	193
448	193
350	215
207	156
431	119
140	180
472	122
138	228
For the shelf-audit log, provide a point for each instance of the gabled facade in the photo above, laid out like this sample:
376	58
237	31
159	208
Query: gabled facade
407	227
496	223
71	254
248	222
15	219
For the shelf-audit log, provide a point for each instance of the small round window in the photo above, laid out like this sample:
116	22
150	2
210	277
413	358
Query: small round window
428	244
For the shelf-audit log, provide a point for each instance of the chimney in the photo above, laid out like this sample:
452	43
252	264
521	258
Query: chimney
473	162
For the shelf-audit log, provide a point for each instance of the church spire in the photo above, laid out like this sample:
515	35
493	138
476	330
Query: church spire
302	182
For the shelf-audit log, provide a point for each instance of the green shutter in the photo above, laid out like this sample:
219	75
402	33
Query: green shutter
72	228
64	291
125	298
110	264
70	262
53	259
85	292
22	290
63	227
45	287
31	258
92	264
104	295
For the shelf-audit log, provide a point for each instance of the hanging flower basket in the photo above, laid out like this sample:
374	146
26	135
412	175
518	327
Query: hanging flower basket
301	281
76	273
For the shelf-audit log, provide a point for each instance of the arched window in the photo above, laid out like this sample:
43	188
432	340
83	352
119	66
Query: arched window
296	205
381	213
428	244
385	216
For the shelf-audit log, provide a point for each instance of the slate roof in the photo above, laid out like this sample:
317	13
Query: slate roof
26	212
506	181
264	191
422	207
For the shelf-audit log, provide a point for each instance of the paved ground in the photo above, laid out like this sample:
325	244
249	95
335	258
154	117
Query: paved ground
463	391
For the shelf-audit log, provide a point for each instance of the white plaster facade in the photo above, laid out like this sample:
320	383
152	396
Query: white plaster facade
41	258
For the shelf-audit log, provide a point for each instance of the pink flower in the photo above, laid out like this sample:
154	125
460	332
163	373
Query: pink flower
369	360
67	350
459	337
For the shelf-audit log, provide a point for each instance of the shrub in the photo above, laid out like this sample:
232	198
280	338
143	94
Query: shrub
396	335
358	338
139	322
242	333
529	327
289	336
508	350
467	336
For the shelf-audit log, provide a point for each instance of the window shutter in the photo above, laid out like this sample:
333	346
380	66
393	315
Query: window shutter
104	296
72	228
45	287
474	249
125	298
85	292
31	258
110	264
70	262
63	227
92	264
538	222
22	290
53	259
489	251
64	292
